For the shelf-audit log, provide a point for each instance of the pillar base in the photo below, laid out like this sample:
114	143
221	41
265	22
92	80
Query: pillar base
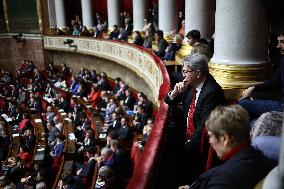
238	76
183	52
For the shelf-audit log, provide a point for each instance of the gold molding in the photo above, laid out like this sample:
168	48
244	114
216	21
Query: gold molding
39	14
239	76
5	7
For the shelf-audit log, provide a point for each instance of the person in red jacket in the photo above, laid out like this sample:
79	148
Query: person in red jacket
25	156
94	96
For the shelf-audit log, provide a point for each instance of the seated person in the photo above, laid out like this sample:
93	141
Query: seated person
148	39
115	32
138	40
244	166
257	107
268	124
193	37
28	139
57	150
25	123
173	48
123	35
15	170
61	83
106	178
162	43
25	156
123	133
86	170
94	96
88	141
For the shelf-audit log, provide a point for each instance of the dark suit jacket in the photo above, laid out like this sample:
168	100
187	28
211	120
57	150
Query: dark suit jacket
211	95
162	45
123	35
129	102
243	170
88	170
276	82
123	133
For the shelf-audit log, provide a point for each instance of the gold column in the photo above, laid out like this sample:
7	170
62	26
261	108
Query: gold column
39	14
5	7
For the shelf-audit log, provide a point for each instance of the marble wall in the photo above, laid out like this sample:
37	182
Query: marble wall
12	53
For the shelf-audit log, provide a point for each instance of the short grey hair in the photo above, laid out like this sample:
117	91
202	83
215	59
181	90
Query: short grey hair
197	61
106	152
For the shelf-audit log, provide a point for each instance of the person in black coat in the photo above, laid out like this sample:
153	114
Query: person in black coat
199	85
162	43
115	32
256	107
123	133
244	166
86	170
138	40
123	34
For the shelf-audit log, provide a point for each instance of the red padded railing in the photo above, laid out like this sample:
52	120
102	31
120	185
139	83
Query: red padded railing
143	172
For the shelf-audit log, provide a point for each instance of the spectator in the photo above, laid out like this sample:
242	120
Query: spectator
148	39
229	136
162	43
123	133
193	37
25	156
86	170
173	48
123	34
268	124
258	106
138	40
57	150
115	32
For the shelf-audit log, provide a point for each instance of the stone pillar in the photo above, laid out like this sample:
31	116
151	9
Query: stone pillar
139	13
60	14
87	16
51	13
167	15
241	43
113	12
199	15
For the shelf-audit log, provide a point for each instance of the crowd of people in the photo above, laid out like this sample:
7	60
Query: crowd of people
44	94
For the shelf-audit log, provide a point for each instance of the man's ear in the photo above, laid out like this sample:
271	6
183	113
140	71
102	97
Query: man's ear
198	73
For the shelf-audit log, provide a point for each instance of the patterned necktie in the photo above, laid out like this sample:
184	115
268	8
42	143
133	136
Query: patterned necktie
190	122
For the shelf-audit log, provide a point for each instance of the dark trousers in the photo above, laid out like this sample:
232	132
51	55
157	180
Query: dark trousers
257	107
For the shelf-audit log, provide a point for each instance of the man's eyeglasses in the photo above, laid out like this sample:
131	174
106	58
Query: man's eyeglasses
187	71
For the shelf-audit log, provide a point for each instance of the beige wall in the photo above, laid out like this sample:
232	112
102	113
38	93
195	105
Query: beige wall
113	70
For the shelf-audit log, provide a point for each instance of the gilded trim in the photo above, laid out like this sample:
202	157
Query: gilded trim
39	14
239	76
5	7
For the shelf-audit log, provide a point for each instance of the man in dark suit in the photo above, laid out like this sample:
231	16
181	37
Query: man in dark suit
86	170
30	139
199	94
123	35
162	43
257	107
229	136
123	133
